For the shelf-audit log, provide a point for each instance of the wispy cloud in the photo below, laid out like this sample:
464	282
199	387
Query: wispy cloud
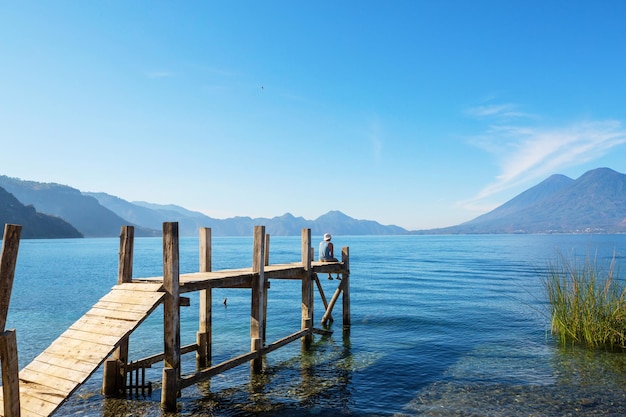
526	153
497	111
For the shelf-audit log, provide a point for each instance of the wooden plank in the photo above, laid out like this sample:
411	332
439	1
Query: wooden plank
37	400
77	376
328	267
285	340
98	325
288	271
62	344
95	337
126	307
140	286
59	384
115	315
222	282
63	361
149	360
205	374
86	352
132	297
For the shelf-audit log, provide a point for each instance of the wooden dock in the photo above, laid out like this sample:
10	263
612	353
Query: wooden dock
73	357
102	334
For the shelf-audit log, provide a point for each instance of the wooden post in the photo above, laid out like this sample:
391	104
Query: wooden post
8	340
307	293
205	332
257	315
10	374
345	258
265	287
171	316
114	378
8	260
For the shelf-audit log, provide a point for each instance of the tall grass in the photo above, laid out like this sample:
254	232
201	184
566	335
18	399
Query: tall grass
587	303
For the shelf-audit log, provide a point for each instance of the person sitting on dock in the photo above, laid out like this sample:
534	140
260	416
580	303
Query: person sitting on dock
327	250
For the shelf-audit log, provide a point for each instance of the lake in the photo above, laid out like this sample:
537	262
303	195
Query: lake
441	325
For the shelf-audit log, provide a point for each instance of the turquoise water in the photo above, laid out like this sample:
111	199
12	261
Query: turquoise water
441	325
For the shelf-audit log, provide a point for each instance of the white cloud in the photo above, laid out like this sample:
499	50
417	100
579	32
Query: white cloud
527	153
498	111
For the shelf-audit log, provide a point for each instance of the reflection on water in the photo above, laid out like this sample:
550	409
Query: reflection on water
320	375
441	325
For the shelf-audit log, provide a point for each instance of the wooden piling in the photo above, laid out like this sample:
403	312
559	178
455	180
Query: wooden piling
345	258
114	378
267	250
307	292
257	315
8	340
171	316
205	332
8	260
10	374
266	287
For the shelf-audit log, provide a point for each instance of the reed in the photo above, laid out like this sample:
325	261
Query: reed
587	303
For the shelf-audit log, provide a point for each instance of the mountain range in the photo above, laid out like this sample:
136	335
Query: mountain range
37	225
593	203
102	215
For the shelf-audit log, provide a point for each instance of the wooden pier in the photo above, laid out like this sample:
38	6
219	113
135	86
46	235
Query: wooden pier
101	336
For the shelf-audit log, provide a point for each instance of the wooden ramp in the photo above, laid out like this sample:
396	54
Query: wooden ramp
72	358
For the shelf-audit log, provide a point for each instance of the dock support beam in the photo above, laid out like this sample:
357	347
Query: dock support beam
205	332
343	288
8	341
259	292
307	290
114	378
171	316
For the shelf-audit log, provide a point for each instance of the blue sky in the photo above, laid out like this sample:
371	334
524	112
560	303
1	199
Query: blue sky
421	114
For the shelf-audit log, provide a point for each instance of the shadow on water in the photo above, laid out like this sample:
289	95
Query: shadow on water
329	379
317	381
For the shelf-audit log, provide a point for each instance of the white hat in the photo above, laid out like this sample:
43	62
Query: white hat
327	236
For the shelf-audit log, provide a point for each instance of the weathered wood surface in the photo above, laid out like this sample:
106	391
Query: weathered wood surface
240	277
8	260
58	371
171	316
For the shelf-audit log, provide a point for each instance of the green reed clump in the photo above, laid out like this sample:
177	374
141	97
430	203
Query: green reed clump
587	305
